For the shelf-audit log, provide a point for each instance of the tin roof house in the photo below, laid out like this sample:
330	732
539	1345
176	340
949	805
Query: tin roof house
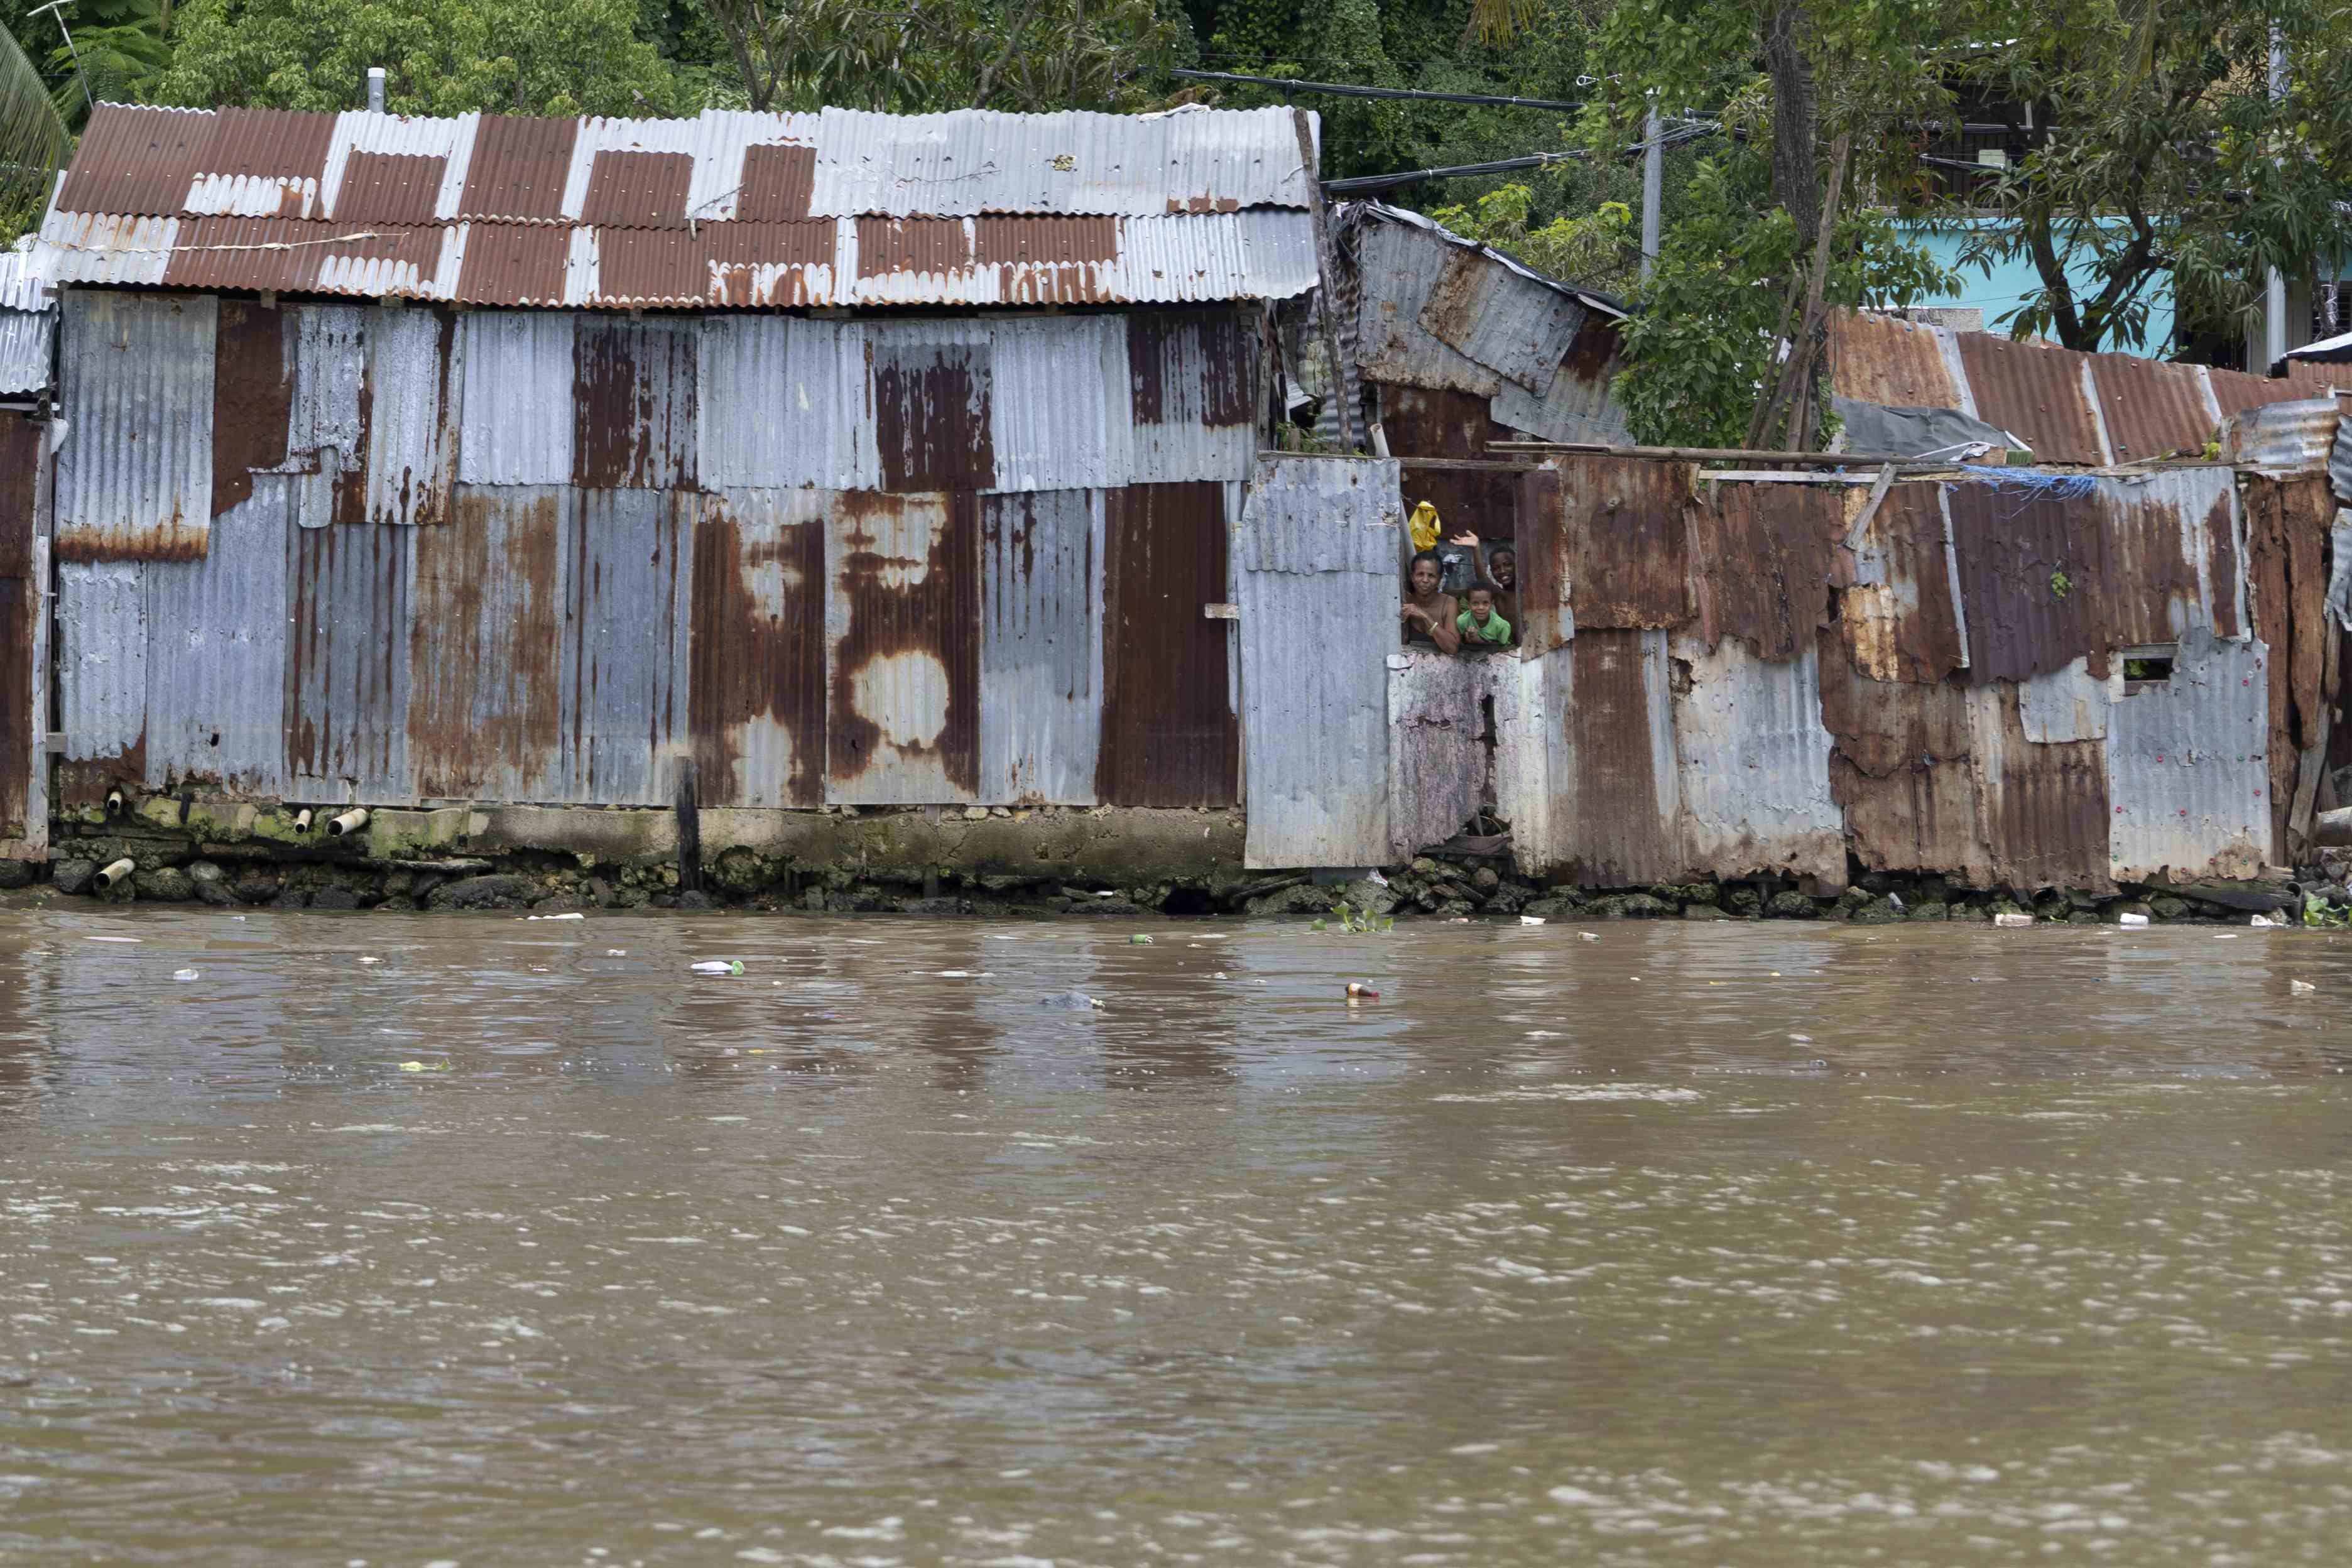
854	458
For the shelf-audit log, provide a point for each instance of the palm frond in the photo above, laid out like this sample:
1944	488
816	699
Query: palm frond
33	142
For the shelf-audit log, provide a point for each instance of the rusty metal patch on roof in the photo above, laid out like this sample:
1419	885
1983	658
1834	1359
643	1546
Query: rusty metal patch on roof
2151	409
2035	394
776	184
638	189
1875	359
519	169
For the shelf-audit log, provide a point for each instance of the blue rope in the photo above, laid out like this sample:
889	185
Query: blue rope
2034	485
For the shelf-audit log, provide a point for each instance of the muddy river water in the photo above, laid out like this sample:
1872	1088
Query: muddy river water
1758	1245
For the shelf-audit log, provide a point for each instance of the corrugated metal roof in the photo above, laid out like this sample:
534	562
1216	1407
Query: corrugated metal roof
1314	566
2188	768
2283	439
134	478
2151	409
1899	364
1753	760
490	209
1502	318
1578	406
1041	649
21	287
2035	393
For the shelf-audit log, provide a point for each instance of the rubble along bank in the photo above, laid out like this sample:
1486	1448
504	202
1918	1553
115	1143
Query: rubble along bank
170	868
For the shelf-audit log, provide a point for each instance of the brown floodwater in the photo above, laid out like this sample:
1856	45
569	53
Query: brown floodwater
1751	1245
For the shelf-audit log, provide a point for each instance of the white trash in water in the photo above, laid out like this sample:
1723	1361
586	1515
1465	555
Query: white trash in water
569	917
1531	920
186	975
719	966
2300	986
1590	936
2131	920
2011	918
2264	921
371	960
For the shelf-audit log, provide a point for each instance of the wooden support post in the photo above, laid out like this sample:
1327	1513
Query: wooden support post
689	831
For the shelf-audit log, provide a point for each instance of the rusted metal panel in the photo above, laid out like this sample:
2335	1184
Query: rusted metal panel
1420	422
519	169
253	397
350	605
414	376
2288	523
1613	777
1902	364
1899	618
517	410
2043	810
756	697
2159	558
902	642
1193	377
2034	576
389	188
1580	404
358	135
102	662
1059	403
739	264
1900	770
1501	318
330	387
922	251
1041	691
486	715
2236	393
291	254
1753	762
933	423
23	673
216	628
1169	734
2188	767
2035	394
627	620
638	189
135	160
1314	568
784	402
2283	439
776	184
1612	538
515	264
261	163
635	404
137	387
2225	563
1437	756
1400	265
1763	557
2151	409
104	248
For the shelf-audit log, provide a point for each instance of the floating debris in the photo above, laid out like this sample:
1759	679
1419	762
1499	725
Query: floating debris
719	966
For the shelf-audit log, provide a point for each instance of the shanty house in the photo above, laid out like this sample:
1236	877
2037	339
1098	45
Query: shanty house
856	459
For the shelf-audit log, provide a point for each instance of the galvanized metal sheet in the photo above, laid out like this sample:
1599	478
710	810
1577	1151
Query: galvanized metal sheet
2067	704
2160	556
517	413
329	384
137	388
1059	409
1399	267
626	626
351	613
1753	762
1041	647
1437	757
102	662
633	410
21	287
757	698
1580	404
26	339
104	248
784	402
1170	732
1314	568
415	376
2188	767
902	649
1192	379
2283	439
486	715
1508	321
216	629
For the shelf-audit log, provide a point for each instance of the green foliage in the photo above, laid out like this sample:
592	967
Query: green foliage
441	56
2318	914
2061	584
1705	330
33	142
1600	249
121	48
1360	922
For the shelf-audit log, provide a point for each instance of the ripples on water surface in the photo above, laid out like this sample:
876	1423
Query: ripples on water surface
1758	1245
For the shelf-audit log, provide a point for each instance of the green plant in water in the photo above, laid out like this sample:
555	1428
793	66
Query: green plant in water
2316	913
1360	922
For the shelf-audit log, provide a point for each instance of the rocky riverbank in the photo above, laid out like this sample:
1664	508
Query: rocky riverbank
1477	883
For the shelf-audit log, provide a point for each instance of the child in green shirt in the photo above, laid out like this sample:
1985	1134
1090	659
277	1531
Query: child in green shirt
1480	624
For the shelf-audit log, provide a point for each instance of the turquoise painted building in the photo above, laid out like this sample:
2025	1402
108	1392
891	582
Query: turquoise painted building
2010	282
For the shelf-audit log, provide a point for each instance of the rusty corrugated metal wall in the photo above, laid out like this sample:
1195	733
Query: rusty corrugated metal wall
432	556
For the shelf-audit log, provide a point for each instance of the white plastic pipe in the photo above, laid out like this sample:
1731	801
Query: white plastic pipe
114	803
350	822
375	89
302	820
115	873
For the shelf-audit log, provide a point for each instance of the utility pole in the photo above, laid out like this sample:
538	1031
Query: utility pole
2274	343
1654	182
73	53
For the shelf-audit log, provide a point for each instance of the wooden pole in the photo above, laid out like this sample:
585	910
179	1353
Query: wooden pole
1326	268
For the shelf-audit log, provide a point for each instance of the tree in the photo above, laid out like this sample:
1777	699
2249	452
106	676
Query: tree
913	55
441	56
1597	250
2162	153
33	142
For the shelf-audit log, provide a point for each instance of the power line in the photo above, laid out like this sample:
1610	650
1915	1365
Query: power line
1348	90
1365	183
